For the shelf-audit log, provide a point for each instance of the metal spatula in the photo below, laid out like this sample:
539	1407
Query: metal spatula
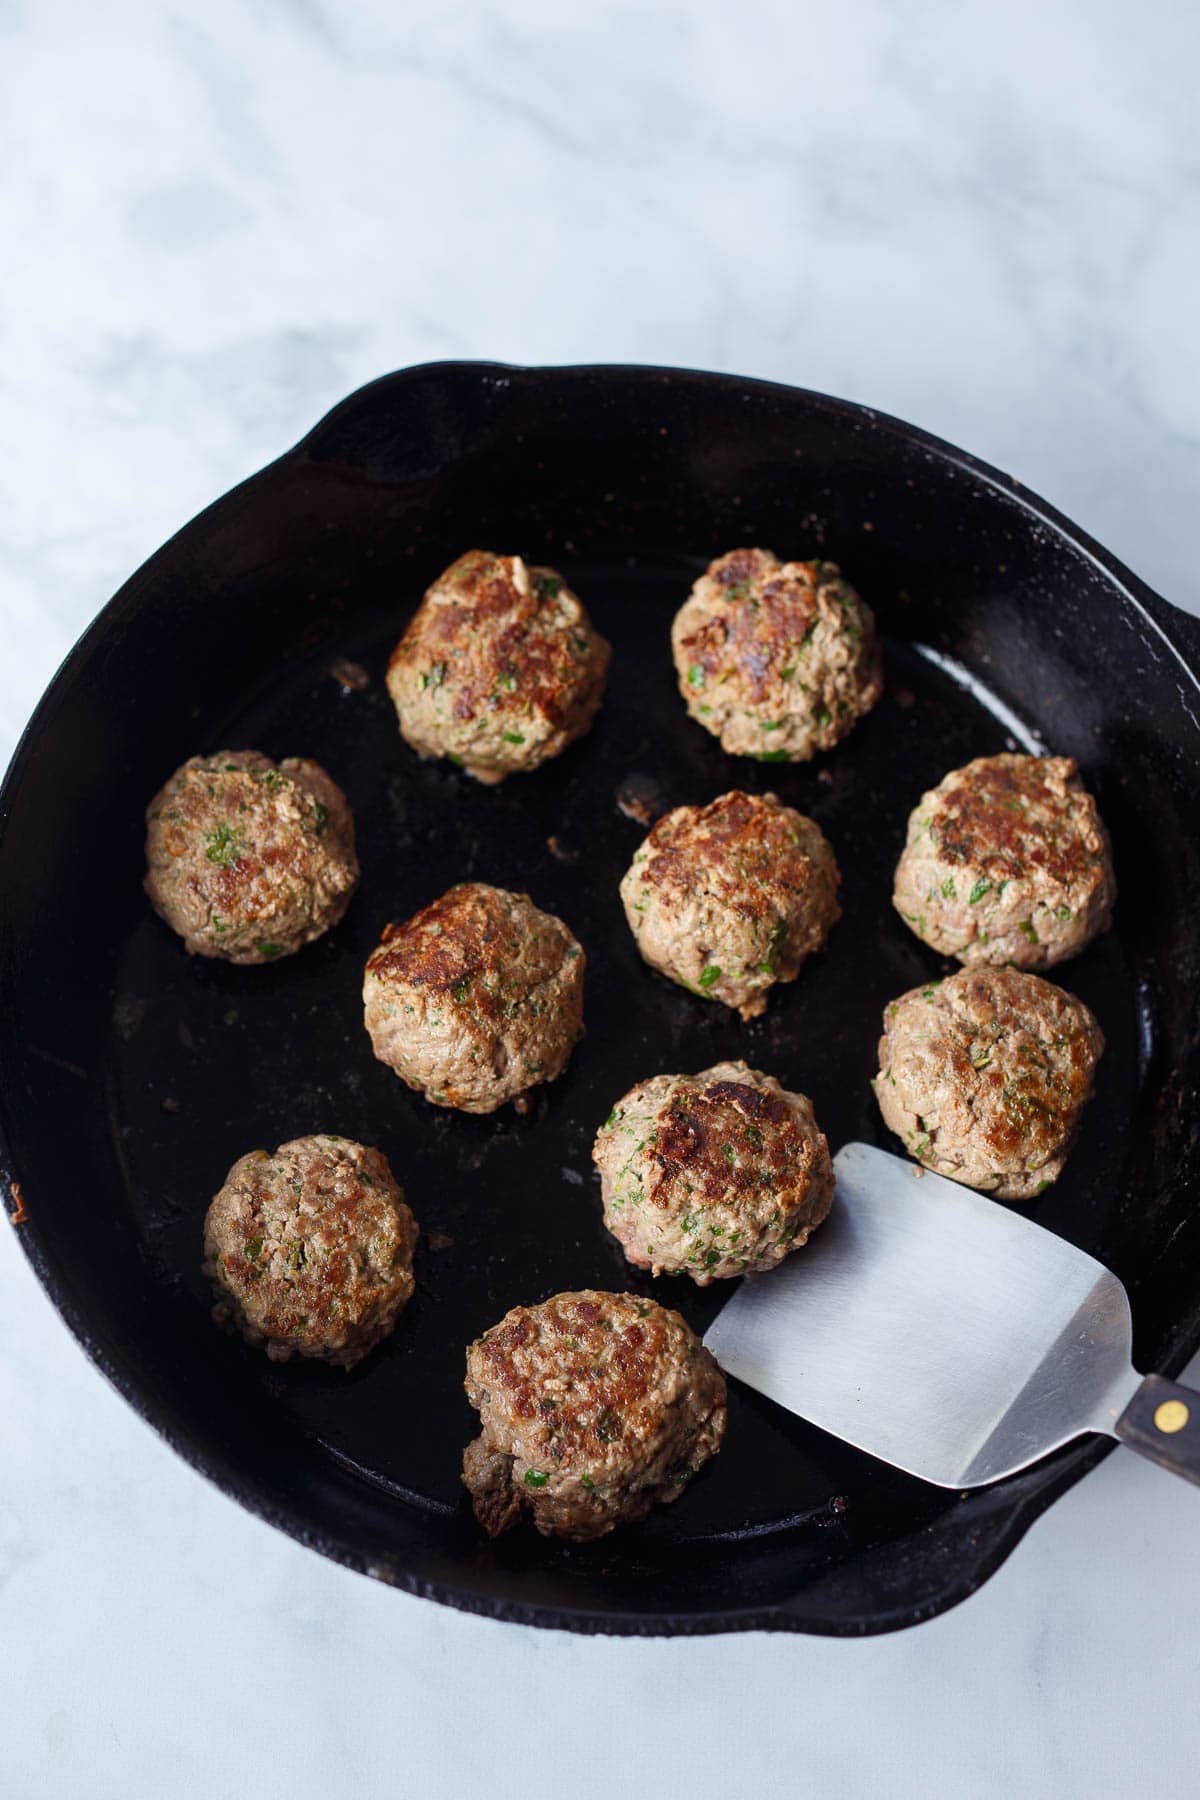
948	1334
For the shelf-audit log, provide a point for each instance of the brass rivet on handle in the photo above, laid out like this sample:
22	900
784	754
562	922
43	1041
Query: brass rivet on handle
1172	1415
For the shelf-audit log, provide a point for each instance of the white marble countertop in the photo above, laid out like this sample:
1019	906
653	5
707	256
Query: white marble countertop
219	219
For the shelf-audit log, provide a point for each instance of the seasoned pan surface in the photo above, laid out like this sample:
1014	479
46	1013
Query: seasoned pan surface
133	1076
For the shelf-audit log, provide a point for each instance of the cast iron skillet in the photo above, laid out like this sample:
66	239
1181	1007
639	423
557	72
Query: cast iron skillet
133	1075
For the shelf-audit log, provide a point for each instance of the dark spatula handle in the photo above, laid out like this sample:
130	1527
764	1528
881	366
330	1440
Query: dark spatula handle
1162	1421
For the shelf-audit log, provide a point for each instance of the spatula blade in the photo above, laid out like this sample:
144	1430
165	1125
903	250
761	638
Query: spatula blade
935	1328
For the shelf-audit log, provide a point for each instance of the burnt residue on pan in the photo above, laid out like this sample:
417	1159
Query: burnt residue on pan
132	1077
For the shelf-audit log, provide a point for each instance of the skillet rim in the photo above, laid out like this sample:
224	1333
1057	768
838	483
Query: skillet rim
993	1538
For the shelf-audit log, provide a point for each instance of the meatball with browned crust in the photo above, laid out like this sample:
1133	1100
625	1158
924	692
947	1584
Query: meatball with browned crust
1007	861
712	1175
310	1251
500	668
248	859
985	1077
729	898
477	998
778	660
595	1407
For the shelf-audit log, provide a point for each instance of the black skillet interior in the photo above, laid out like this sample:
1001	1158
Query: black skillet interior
133	1076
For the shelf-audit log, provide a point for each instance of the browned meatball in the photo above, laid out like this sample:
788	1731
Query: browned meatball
985	1077
594	1407
310	1251
477	998
712	1175
1007	861
729	898
500	668
248	859
776	659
